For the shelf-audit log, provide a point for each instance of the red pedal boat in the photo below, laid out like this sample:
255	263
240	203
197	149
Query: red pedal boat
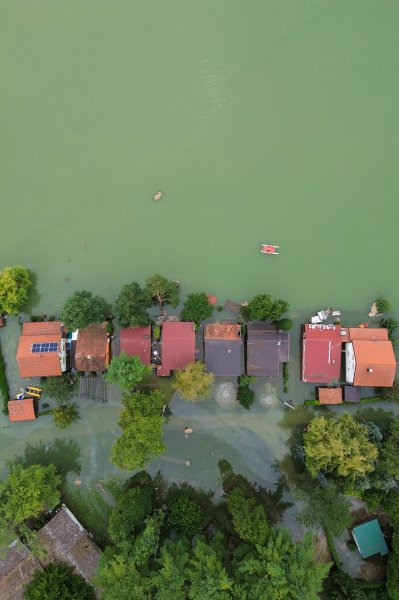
269	249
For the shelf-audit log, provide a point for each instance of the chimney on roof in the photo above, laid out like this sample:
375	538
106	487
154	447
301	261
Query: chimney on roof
369	370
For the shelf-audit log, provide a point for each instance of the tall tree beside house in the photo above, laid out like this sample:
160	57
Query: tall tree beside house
162	291
193	383
141	423
196	308
82	309
61	388
126	371
26	492
131	306
15	284
339	447
264	308
58	582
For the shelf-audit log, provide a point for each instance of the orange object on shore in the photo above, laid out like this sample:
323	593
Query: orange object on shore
211	299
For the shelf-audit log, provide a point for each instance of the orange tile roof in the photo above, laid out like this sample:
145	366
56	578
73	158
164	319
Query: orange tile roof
330	395
375	363
21	410
92	348
39	364
222	331
367	334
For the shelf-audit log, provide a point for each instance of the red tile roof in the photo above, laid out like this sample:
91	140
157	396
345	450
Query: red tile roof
321	353
330	395
178	346
222	331
369	334
137	342
39	364
92	348
375	363
21	410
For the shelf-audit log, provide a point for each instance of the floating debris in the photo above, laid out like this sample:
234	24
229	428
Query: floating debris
158	195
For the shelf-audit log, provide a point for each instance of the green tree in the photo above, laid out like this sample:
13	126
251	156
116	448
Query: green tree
61	388
245	396
325	506
391	506
281	570
263	308
390	324
58	582
193	382
131	306
130	511
196	308
141	423
207	576
341	586
186	516
82	309
284	324
248	517
65	415
390	394
146	543
393	569
26	492
120	579
340	447
15	284
162	291
170	580
389	455
384	305
126	371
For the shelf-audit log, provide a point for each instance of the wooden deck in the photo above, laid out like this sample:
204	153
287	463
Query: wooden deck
93	388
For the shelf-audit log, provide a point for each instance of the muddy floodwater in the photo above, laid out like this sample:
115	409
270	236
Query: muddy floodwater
262	121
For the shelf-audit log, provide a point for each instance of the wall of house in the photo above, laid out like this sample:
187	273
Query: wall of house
350	362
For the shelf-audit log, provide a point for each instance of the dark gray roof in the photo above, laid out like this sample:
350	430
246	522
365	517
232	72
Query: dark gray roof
266	350
352	393
224	357
17	568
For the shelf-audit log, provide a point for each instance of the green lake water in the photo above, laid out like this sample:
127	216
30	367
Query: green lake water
261	121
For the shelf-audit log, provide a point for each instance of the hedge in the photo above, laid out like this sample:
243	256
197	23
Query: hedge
4	389
362	401
331	545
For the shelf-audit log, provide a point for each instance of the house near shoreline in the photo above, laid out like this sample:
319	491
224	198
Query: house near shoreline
224	349
177	346
267	349
136	341
42	349
21	410
369	356
92	352
63	539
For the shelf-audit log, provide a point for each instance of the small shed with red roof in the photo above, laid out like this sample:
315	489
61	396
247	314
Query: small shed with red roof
321	353
177	346
330	395
21	410
136	341
41	350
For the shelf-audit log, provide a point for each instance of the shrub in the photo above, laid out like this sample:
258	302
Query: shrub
284	324
245	397
4	389
390	324
286	376
65	415
219	308
384	305
157	332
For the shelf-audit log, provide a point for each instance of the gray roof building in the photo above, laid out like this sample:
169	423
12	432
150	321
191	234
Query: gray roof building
17	568
267	349
224	358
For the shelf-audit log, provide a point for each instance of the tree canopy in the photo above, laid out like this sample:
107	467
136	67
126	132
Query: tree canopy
141	422
389	454
130	511
58	582
60	388
26	492
340	447
131	306
162	291
15	284
185	516
196	308
65	414
193	383
248	518
126	371
82	309
263	308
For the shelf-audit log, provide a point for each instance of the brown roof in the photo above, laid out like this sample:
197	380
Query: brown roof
222	331
267	349
39	364
66	541
17	568
92	348
136	341
367	334
21	410
330	395
375	363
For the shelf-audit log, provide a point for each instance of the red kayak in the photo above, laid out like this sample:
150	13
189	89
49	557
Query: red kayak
269	249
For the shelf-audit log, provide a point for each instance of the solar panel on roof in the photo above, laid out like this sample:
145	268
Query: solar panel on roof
45	347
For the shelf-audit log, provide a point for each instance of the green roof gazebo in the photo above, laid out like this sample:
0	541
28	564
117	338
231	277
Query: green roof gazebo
369	539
